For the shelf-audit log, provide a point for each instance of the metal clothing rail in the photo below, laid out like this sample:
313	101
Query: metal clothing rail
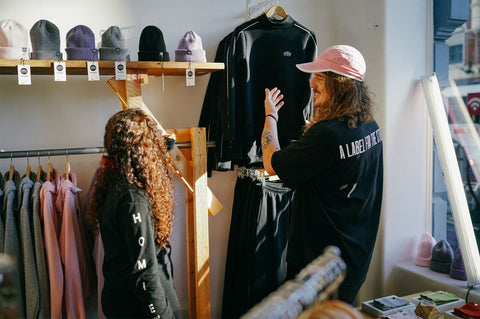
68	151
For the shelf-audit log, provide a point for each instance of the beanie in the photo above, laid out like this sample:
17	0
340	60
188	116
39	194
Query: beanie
190	49
152	45
81	44
13	40
113	46
442	256
424	251
45	39
457	270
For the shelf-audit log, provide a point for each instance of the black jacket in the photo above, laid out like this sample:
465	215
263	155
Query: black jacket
137	272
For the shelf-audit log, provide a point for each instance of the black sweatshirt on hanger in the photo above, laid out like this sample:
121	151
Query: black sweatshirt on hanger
261	53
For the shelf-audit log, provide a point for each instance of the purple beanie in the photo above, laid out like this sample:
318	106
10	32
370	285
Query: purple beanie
81	44
190	49
457	270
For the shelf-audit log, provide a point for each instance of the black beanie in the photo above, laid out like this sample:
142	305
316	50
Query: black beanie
152	45
442	257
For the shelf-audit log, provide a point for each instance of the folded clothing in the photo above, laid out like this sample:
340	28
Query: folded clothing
440	297
468	311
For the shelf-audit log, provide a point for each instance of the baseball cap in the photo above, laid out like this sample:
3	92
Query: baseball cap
341	59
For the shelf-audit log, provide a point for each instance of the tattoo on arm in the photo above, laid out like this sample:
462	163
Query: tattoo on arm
266	139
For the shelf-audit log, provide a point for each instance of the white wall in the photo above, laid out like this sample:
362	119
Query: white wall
73	114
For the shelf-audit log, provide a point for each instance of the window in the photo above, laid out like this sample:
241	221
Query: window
456	190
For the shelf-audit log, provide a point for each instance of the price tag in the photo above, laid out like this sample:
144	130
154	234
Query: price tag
60	71
24	75
92	71
120	70
190	76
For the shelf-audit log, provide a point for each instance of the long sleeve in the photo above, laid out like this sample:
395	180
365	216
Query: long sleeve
54	262
132	286
71	250
32	300
12	240
40	262
138	229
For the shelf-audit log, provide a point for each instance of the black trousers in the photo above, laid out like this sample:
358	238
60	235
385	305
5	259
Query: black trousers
255	264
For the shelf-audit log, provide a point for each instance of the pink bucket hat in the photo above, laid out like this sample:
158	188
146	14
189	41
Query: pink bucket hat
341	59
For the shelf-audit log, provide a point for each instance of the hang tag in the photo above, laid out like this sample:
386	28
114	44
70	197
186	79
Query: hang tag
190	76
24	75
60	71
120	70
93	71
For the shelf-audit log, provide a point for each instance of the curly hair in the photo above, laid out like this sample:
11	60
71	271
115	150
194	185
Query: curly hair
139	156
350	100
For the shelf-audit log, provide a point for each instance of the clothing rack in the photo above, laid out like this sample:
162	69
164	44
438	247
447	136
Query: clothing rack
314	284
70	151
256	174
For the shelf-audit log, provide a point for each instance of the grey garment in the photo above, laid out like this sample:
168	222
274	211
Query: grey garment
30	279
2	215
12	246
41	264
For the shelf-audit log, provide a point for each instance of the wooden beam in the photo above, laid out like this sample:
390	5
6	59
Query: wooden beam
130	95
199	234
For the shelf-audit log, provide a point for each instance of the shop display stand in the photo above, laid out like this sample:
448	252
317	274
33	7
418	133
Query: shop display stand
189	164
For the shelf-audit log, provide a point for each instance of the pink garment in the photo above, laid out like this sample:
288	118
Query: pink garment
98	254
71	249
50	222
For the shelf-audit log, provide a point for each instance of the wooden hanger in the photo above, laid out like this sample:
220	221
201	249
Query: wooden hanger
276	12
11	169
67	168
39	170
10	172
28	169
49	167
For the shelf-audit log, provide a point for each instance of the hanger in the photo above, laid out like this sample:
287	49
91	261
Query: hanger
276	12
67	167
28	169
12	168
49	167
39	168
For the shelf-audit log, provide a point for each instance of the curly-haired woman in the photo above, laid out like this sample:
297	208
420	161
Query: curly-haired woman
132	203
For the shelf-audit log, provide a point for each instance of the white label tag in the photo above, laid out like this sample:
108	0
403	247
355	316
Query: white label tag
120	70
60	71
92	71
24	76
190	76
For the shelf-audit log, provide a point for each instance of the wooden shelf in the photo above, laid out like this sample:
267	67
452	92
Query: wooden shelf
79	67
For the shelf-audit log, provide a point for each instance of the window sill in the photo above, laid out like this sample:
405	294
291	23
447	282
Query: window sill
409	278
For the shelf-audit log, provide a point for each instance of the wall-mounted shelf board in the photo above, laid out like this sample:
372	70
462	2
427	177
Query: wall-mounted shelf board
79	67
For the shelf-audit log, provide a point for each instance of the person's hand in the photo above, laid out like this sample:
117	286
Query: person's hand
273	102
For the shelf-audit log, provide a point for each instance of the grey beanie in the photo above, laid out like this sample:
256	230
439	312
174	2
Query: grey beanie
190	49
45	39
113	46
442	257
